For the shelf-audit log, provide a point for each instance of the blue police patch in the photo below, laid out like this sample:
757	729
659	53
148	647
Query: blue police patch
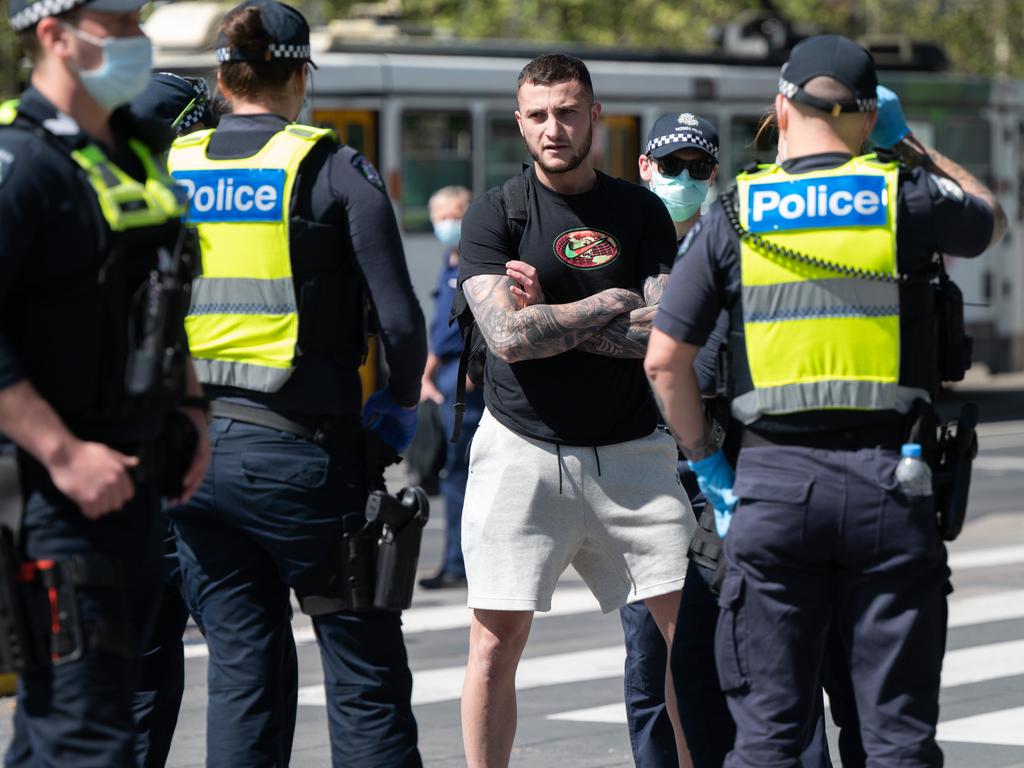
821	203
6	165
365	167
234	195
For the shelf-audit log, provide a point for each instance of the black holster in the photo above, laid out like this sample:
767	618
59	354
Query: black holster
16	643
401	521
949	450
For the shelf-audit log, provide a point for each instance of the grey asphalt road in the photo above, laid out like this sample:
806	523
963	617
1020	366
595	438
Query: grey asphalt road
570	700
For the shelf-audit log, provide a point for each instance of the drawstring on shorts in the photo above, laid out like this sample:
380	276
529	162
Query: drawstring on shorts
558	453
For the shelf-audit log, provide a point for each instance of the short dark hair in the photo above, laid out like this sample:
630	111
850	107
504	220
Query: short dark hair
554	68
30	42
244	30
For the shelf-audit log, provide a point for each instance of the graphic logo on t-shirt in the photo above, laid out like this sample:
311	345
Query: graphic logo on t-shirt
586	248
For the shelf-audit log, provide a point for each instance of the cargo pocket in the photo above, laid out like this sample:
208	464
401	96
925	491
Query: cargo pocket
731	634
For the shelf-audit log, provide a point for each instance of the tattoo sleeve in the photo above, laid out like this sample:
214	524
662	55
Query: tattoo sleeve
540	330
627	336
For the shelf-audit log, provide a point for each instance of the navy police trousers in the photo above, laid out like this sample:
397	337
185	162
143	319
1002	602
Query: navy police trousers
80	712
820	537
267	518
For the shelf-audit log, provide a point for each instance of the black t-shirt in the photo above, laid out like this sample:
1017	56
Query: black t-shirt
59	328
614	235
338	188
934	216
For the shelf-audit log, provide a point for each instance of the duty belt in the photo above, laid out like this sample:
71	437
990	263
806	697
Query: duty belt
875	436
329	434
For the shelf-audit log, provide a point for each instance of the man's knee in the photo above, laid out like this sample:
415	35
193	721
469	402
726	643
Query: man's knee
497	639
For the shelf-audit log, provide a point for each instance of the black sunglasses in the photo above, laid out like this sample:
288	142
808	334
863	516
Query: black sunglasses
672	165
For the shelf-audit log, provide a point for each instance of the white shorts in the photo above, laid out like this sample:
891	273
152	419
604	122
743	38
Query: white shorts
617	513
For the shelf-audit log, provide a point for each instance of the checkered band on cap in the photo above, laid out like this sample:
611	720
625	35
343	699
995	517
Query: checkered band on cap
40	9
276	52
789	90
290	51
682	138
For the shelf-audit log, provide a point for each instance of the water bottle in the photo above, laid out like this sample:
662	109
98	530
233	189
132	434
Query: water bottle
912	473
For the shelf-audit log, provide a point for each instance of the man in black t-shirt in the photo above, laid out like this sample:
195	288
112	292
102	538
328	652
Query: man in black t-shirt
567	465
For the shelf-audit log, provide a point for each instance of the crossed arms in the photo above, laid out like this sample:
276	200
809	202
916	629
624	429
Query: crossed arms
517	325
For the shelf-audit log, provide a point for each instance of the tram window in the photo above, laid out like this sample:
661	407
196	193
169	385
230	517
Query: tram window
969	140
357	128
436	152
746	147
617	146
505	152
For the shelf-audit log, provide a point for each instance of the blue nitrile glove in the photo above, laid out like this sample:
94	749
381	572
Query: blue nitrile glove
715	478
891	125
396	425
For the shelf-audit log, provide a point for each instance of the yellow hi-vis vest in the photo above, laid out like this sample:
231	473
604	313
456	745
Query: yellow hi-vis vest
818	339
243	320
124	202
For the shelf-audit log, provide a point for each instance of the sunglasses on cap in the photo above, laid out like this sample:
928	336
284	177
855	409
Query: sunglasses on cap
672	165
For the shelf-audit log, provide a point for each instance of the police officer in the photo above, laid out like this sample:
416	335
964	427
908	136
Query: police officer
292	226
440	384
822	262
171	105
92	253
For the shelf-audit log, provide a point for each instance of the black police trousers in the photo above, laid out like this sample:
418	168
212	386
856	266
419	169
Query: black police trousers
820	537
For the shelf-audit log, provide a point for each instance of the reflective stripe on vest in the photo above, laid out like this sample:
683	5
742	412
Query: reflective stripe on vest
243	321
818	339
124	202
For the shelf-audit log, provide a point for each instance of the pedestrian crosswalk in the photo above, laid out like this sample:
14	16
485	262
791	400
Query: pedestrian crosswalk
989	647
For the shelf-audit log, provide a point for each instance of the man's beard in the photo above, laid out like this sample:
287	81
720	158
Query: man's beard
573	162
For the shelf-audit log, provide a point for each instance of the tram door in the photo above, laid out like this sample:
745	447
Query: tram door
617	146
358	129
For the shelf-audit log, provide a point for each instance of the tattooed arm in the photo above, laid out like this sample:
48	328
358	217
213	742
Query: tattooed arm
626	336
540	330
669	367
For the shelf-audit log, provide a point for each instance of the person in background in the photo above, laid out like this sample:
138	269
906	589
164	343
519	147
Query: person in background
447	207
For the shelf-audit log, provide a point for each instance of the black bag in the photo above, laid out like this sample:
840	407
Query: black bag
474	347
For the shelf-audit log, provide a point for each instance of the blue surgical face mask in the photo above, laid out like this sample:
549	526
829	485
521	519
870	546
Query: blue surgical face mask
124	72
448	231
680	194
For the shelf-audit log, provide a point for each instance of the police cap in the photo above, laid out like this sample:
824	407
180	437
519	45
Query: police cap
176	102
831	56
681	131
284	25
23	14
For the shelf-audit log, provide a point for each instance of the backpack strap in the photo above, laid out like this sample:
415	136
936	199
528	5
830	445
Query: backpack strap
513	199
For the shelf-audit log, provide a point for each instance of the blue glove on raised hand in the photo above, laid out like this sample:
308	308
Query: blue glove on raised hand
395	425
891	125
715	478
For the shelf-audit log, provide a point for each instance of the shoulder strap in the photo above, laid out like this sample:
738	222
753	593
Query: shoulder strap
513	197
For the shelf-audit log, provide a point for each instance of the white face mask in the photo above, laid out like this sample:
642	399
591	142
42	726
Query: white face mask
124	71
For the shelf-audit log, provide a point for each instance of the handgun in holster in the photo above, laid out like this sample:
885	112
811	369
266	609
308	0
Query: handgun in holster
401	520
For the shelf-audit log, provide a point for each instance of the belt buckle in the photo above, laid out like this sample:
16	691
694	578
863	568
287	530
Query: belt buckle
322	435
